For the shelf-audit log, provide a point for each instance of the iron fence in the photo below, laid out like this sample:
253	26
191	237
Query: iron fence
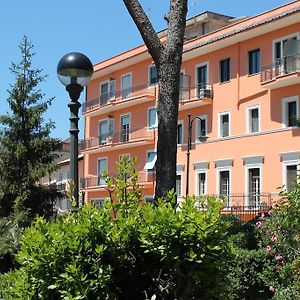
282	66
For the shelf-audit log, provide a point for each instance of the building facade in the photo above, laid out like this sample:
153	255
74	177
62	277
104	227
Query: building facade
240	78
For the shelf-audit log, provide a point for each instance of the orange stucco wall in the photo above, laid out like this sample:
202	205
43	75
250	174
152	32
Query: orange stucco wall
235	96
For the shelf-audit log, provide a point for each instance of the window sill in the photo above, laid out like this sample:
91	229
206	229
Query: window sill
224	82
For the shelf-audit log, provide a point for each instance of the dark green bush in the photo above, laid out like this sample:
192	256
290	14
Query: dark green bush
151	250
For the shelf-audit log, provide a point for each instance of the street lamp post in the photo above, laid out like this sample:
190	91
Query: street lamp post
74	71
202	138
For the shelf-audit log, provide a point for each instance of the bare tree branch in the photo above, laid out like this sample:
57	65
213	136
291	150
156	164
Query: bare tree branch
146	29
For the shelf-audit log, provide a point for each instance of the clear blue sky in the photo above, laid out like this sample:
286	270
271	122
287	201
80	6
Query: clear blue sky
97	28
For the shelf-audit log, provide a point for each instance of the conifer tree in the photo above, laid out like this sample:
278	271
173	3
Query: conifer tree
26	148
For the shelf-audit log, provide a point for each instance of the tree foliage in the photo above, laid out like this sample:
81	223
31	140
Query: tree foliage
26	148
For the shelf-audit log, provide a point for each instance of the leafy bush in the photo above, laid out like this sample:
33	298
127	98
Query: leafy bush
279	235
124	251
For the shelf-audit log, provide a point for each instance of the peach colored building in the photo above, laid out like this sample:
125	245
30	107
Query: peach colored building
240	76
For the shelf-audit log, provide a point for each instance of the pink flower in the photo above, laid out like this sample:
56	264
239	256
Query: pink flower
270	211
262	216
258	224
280	259
268	248
272	289
274	238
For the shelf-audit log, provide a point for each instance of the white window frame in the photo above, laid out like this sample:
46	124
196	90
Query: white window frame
107	120
180	122
248	118
122	76
252	162
123	115
180	197
147	155
221	114
219	170
149	73
289	159
205	63
281	39
201	168
197	127
148	118
284	103
109	98
98	173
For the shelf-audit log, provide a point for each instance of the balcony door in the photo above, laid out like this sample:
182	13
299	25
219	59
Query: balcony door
224	185
254	187
104	93
125	128
126	86
106	130
202	80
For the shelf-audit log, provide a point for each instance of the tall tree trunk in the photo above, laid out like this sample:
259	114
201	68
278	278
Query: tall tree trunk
167	58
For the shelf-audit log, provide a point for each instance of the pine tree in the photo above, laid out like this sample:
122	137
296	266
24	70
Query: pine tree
26	148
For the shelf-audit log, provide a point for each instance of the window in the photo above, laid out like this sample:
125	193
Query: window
224	120
253	119
284	51
98	202
152	118
126	86
201	127
254	187
291	177
202	183
254	61
151	160
224	184
106	130
107	91
178	185
201	169
153	79
102	166
290	168
202	80
290	111
125	128
225	70
279	47
180	133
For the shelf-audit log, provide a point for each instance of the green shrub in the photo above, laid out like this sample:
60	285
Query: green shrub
126	250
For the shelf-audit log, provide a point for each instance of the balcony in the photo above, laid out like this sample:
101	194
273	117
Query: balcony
99	182
283	72
124	98
195	96
126	138
246	206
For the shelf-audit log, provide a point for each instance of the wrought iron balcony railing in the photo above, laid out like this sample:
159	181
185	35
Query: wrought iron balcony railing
99	181
282	66
143	89
126	135
197	91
